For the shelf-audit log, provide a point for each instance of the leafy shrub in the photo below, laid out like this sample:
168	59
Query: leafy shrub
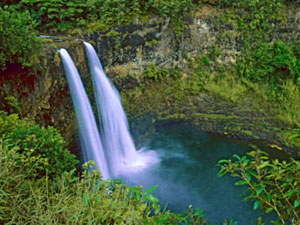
46	201
154	73
296	50
252	19
273	184
10	104
18	39
56	15
262	60
247	4
59	15
117	12
40	149
171	8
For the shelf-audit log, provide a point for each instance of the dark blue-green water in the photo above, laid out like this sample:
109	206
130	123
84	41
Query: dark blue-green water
187	174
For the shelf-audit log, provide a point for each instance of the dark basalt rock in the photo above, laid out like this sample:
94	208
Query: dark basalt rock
133	41
130	28
153	36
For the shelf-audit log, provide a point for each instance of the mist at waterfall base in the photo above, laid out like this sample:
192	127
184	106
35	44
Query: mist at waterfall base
187	174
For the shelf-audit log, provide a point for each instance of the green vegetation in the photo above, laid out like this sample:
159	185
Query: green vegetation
50	200
269	59
258	89
274	185
38	150
155	74
19	43
11	105
57	16
181	94
47	199
264	70
61	15
21	20
291	138
252	19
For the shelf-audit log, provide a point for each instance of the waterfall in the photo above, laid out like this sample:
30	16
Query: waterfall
88	132
115	155
116	139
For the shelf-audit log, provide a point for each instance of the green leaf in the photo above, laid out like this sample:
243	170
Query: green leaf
296	203
248	176
222	172
268	210
150	189
222	161
269	197
256	204
240	182
289	193
238	157
151	198
260	189
85	200
97	199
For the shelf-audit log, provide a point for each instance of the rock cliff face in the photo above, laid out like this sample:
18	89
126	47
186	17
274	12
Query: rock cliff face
44	96
131	48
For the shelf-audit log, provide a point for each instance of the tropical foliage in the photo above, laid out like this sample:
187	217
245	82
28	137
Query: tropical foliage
51	201
56	15
269	59
39	150
38	177
274	185
19	43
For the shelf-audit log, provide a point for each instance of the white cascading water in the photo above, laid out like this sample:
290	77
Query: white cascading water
89	134
116	138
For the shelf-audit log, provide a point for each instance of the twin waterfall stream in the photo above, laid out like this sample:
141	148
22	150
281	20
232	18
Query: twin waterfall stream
109	144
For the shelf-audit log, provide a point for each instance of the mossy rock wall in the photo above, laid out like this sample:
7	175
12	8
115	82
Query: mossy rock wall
129	49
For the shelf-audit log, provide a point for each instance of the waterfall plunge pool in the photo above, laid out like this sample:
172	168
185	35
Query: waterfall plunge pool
180	159
187	173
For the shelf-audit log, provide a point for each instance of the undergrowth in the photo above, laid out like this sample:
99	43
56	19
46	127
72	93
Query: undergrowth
73	198
19	43
62	16
40	150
